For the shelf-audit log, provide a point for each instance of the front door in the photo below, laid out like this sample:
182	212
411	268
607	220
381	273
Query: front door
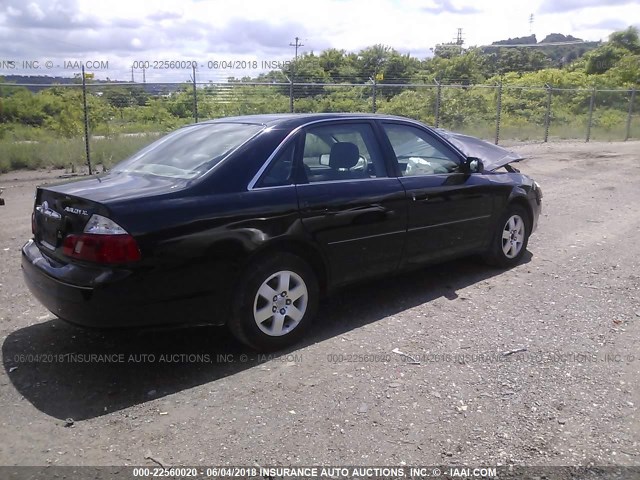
449	210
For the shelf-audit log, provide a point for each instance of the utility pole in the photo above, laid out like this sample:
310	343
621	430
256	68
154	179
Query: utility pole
144	78
132	79
86	120
296	45
530	23
195	95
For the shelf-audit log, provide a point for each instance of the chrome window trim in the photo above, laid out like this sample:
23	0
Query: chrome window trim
270	187
346	180
323	182
293	133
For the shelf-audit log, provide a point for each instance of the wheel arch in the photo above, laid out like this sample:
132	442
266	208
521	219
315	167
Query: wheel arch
305	250
520	199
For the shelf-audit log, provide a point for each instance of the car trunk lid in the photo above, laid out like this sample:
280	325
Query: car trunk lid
64	209
57	215
119	186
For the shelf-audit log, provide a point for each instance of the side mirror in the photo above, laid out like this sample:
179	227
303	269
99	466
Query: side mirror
474	165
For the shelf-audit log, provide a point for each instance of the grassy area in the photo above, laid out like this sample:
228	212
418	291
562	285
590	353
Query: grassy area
117	127
515	130
635	127
34	148
65	152
521	133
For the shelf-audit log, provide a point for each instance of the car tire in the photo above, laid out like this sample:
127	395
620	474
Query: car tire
511	237
276	300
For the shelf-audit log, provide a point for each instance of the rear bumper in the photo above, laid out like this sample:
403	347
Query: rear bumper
107	298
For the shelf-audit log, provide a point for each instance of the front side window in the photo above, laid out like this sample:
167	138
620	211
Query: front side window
343	151
418	153
189	152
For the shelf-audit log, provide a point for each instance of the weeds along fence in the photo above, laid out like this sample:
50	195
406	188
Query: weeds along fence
102	123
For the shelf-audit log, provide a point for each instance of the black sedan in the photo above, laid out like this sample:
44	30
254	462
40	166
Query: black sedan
248	221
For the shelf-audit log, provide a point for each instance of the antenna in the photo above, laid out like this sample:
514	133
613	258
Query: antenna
530	23
459	40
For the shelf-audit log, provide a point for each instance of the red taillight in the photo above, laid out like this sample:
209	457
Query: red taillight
100	248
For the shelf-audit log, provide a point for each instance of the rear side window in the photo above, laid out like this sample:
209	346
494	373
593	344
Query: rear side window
189	152
342	151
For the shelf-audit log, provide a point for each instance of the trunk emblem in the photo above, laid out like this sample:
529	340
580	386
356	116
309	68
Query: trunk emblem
48	212
76	211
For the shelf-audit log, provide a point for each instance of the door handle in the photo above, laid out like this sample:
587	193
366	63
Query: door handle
423	198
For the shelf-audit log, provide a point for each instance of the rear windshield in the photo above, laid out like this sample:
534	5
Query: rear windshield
189	152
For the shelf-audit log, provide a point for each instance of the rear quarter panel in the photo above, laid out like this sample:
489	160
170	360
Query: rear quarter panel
196	245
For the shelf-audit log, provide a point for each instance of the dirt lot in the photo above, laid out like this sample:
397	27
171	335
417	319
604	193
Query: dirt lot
344	397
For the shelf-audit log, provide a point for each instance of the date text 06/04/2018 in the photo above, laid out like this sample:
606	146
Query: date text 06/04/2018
225	64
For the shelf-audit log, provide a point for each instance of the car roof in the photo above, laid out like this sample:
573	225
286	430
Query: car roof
293	120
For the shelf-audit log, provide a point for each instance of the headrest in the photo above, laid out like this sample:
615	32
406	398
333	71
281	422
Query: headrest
344	155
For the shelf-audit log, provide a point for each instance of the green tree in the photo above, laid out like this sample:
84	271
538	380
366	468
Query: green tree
603	58
620	44
626	72
373	59
626	39
464	69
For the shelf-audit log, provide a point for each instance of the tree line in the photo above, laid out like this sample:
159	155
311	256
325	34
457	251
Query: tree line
377	70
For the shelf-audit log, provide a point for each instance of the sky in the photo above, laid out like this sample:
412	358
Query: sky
52	37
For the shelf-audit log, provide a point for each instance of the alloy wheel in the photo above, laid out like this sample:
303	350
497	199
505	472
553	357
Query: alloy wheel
513	236
280	303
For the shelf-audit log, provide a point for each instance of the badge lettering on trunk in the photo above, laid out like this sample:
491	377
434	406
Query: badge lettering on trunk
76	211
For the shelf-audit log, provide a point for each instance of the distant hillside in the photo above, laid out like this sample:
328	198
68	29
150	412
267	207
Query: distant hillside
558	55
564	54
46	81
517	41
558	37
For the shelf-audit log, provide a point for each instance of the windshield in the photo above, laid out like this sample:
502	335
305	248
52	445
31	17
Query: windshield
189	152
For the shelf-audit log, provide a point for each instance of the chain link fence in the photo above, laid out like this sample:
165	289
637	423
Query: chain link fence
102	123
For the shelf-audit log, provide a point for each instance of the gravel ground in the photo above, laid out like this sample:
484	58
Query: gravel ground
537	365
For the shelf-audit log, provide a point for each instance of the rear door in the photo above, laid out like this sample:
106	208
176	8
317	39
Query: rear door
449	210
349	204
